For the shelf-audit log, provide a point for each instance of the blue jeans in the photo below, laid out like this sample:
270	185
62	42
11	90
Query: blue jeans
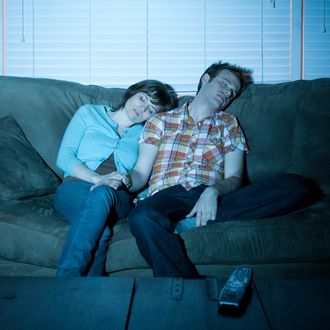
153	220
90	213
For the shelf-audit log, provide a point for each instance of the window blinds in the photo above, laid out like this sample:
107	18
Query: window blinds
252	33
118	42
113	43
317	39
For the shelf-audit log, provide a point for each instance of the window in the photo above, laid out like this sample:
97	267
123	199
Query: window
251	33
317	39
1	41
116	43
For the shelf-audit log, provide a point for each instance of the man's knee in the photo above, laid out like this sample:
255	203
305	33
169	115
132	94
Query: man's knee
300	188
137	218
143	218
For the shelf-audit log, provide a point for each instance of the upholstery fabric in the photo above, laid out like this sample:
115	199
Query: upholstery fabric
44	107
32	232
286	126
286	129
23	173
275	240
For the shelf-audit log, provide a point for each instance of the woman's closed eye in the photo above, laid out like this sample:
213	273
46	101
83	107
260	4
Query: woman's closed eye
143	98
149	106
153	110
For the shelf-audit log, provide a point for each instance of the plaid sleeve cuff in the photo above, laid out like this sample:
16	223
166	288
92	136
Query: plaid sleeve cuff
152	132
234	138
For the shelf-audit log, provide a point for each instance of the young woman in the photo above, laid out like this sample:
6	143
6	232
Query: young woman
98	141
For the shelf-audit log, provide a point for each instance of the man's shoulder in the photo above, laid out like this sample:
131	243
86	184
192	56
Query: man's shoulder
225	117
167	116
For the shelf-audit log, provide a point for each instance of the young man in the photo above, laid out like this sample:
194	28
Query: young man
195	156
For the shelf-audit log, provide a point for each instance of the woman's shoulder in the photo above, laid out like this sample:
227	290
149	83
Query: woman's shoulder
91	111
92	108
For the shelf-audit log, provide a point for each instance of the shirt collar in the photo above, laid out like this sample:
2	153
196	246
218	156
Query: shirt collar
209	120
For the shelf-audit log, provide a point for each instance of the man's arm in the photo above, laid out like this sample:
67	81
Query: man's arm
233	172
140	174
207	205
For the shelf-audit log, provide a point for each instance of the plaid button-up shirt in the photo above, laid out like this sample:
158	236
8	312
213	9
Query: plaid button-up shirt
190	153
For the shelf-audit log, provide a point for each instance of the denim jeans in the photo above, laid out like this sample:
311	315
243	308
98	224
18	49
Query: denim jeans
153	220
91	215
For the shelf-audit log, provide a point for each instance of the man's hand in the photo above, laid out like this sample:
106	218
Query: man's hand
114	180
206	207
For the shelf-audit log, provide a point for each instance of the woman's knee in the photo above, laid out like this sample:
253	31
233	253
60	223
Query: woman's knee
69	198
104	193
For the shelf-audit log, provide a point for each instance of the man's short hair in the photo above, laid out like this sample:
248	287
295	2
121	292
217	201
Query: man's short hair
243	74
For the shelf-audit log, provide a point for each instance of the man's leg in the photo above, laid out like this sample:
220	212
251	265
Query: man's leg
274	196
152	223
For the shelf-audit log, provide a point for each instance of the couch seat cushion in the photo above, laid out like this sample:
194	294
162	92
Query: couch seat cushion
31	232
44	107
303	236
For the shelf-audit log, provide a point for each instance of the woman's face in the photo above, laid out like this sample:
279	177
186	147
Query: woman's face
139	108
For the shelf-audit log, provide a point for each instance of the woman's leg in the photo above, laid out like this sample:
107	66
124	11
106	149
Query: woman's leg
70	198
96	266
120	210
68	201
89	234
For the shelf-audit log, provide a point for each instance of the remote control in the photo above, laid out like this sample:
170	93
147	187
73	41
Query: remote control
233	292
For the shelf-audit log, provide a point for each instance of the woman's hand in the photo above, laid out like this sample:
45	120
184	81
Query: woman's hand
114	180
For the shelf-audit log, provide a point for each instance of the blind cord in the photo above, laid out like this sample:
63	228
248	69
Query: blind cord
324	17
23	23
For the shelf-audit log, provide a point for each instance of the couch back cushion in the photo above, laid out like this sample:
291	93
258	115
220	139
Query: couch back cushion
44	107
23	173
286	126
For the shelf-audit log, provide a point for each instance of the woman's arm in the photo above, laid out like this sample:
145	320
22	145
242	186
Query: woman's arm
139	176
82	172
67	156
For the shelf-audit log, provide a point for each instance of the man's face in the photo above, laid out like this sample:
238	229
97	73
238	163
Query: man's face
222	89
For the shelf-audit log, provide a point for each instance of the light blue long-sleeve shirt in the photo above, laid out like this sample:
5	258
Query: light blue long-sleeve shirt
92	136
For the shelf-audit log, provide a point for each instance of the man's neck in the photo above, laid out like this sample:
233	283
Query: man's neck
199	109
